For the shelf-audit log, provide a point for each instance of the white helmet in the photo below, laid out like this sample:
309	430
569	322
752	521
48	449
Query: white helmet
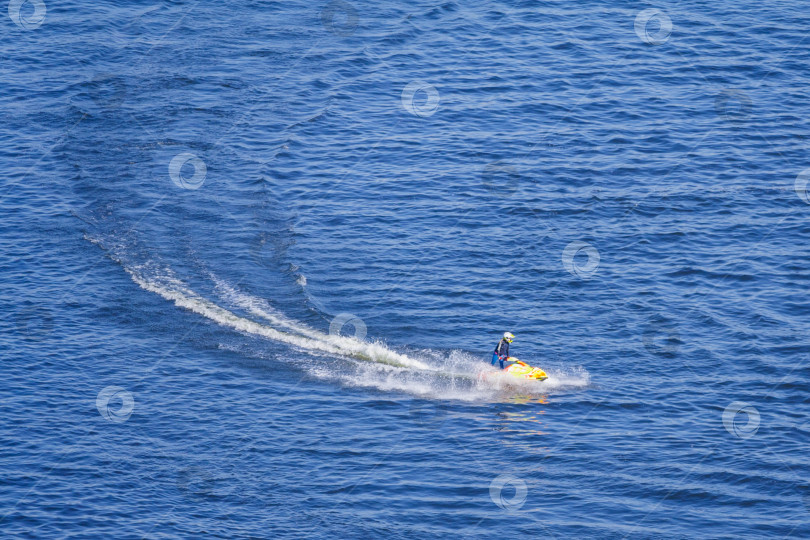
508	336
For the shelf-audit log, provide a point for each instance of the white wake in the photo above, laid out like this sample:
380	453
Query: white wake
454	375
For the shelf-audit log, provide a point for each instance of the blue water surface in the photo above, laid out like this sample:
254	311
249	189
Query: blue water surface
255	257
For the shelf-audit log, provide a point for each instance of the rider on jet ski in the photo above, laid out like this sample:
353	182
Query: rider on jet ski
502	349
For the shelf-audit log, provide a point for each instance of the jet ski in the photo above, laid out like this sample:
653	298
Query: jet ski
522	370
516	368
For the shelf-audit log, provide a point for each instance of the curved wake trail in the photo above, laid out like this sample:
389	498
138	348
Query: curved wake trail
297	334
451	376
455	376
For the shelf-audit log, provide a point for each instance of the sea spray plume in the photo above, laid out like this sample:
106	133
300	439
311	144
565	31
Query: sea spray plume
451	374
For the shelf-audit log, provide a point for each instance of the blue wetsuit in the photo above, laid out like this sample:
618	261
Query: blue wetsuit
501	352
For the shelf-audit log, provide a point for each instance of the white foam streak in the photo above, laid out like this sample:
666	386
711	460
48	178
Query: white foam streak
459	375
297	334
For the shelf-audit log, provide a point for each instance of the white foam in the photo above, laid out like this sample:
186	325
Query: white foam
297	334
457	375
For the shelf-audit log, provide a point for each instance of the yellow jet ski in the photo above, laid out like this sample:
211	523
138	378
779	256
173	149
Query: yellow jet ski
522	370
